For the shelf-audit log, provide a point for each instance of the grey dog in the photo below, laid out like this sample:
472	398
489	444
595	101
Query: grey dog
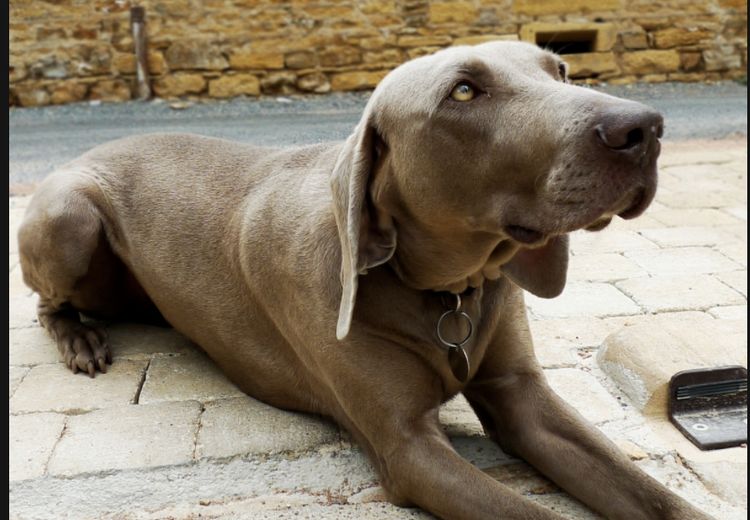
454	194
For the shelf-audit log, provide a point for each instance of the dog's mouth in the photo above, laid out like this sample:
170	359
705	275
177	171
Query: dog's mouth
524	235
630	207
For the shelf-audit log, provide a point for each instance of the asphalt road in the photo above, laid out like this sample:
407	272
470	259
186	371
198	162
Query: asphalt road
41	139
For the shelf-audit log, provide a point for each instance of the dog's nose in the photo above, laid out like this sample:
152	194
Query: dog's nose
628	130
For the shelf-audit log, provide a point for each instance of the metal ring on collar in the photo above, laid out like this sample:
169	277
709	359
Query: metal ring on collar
453	345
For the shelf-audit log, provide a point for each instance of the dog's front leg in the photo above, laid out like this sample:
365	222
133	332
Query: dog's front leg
518	408
389	399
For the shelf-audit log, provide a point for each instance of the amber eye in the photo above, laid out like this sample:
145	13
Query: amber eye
463	92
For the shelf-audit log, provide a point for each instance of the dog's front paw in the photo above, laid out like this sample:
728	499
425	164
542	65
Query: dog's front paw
84	348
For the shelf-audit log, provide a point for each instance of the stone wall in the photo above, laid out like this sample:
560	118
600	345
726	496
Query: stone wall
71	50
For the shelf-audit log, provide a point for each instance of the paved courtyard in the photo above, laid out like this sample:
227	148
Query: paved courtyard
164	435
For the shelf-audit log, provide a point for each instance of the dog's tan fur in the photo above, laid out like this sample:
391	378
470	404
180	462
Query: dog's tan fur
257	255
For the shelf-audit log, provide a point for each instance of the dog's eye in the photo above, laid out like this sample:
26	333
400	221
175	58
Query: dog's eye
463	92
561	70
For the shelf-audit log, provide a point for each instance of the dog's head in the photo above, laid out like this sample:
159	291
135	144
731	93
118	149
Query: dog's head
477	161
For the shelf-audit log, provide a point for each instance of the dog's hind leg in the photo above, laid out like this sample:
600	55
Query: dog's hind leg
66	259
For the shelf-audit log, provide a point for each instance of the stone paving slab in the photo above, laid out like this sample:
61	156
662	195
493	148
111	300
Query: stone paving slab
682	260
737	280
585	394
603	267
183	378
32	439
583	299
126	437
682	236
680	293
731	312
15	376
22	311
32	346
694	217
55	388
244	425
737	252
611	241
137	341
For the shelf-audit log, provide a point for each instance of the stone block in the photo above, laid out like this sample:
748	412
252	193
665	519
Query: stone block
717	60
249	59
243	426
737	252
729	312
608	241
124	63
650	62
555	7
68	92
693	217
416	52
423	41
175	85
301	60
590	64
16	285
581	299
31	96
682	261
235	85
484	38
604	267
280	82
139	341
385	56
458	418
110	90
316	82
737	280
459	11
358	80
605	34
126	437
684	236
32	439
690	61
641	359
680	36
15	376
184	378
677	293
583	392
569	333
54	388
340	56
22	312
32	346
195	55
633	40
706	199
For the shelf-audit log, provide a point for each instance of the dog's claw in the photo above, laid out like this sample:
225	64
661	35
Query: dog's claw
91	369
102	365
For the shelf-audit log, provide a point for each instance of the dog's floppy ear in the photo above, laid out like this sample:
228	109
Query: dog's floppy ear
367	235
541	271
